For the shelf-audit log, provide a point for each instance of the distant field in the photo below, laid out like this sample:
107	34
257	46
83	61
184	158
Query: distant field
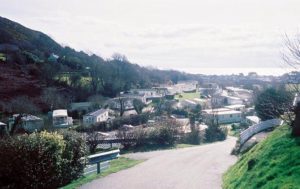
2	57
188	96
292	87
66	78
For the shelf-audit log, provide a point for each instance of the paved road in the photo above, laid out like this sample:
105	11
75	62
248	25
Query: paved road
198	167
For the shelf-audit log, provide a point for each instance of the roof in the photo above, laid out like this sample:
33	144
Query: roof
216	110
28	117
81	104
231	97
60	112
189	101
235	106
97	112
254	119
229	112
222	111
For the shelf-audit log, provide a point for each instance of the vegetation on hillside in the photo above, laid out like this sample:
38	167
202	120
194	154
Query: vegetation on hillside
273	163
35	62
272	103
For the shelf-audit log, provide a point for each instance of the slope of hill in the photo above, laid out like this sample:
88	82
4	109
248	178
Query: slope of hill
273	163
32	61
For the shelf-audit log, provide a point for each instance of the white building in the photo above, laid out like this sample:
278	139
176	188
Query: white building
60	118
29	123
95	117
187	103
252	120
222	116
231	100
3	128
236	107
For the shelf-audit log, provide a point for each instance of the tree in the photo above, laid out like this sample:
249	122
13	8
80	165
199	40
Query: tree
215	133
138	105
92	139
272	103
291	56
21	106
51	97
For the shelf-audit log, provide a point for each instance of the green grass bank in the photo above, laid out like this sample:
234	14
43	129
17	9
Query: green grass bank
273	163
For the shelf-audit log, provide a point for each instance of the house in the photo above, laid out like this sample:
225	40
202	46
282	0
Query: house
236	107
132	96
81	106
60	118
3	128
29	123
53	58
222	116
231	100
187	103
252	120
149	94
100	115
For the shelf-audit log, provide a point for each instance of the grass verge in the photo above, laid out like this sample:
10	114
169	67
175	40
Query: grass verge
115	166
273	163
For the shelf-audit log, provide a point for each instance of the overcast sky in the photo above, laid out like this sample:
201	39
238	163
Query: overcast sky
190	35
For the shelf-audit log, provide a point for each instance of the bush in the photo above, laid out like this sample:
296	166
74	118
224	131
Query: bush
165	134
40	160
215	133
73	164
193	137
132	120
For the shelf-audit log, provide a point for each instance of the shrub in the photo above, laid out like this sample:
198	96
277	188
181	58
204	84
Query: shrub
73	163
215	133
40	160
132	120
194	137
165	134
31	161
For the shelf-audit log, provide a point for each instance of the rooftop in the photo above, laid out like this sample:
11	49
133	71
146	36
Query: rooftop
97	112
235	106
60	112
28	117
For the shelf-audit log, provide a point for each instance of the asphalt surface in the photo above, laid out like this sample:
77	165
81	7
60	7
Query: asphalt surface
198	167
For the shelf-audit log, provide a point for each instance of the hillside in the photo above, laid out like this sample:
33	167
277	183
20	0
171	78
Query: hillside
273	163
31	61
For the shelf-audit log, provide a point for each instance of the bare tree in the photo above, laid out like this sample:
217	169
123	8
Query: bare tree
291	57
53	99
20	106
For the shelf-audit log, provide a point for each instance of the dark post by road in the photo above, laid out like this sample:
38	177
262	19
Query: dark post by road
98	168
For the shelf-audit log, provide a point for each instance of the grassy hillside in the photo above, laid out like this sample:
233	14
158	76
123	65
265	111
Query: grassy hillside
273	163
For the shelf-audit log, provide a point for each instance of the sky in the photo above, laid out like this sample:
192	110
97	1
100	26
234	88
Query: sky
196	36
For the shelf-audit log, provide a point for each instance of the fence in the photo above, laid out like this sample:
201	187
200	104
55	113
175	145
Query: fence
252	130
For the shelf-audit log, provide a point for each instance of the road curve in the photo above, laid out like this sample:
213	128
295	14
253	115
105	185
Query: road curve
194	167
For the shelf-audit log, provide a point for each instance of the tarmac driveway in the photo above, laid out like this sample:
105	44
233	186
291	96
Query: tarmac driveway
198	167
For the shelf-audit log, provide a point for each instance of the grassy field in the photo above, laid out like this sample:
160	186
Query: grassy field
188	96
115	166
273	163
